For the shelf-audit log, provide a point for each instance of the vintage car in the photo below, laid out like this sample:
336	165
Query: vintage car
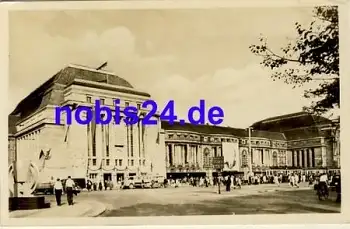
157	181
137	182
46	188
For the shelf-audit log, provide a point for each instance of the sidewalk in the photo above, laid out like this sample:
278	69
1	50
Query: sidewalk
79	209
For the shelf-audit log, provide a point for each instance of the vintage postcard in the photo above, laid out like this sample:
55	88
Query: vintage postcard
188	112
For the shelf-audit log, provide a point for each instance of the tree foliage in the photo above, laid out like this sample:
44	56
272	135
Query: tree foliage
314	55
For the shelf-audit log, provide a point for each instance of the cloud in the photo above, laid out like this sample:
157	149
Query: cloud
116	45
245	95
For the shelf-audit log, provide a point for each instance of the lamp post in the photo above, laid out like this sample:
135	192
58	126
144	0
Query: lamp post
250	149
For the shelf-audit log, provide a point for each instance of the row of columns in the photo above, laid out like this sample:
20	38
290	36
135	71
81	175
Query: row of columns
180	154
132	137
303	158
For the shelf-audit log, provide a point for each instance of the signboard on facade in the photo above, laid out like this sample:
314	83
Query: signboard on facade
218	162
230	152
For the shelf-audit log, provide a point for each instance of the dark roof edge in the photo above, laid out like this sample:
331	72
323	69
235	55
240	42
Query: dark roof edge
108	87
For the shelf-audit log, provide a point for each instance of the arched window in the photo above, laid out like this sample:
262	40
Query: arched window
244	158
274	158
206	155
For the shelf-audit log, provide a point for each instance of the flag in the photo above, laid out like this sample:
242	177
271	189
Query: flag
107	139
102	66
48	155
41	154
101	165
66	134
158	140
143	129
158	136
93	134
73	106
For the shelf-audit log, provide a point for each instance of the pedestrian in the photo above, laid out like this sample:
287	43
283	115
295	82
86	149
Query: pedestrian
100	186
69	190
58	191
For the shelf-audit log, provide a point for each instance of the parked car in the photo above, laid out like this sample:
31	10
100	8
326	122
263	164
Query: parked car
128	183
157	181
46	188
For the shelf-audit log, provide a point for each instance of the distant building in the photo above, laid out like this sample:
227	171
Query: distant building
298	141
96	152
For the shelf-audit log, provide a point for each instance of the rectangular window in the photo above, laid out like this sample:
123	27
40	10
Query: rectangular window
107	153
128	162
94	162
102	101
138	107
88	99
116	162
140	162
131	141
144	162
120	162
107	162
127	104
132	162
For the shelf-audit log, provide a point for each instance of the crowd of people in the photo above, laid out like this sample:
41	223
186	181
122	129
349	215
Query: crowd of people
229	181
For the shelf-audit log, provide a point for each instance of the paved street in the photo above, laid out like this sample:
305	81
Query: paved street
260	199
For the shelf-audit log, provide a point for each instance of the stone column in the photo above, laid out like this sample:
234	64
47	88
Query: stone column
173	153
305	158
324	156
295	158
300	158
167	151
309	151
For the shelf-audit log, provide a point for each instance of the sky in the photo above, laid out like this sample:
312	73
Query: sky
181	55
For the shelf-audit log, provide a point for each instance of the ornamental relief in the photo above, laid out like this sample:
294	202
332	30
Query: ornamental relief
181	136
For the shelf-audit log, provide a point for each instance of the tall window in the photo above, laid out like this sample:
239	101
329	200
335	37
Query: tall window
170	155
88	99
215	151
131	141
94	162
120	162
206	156
244	158
274	158
107	162
102	101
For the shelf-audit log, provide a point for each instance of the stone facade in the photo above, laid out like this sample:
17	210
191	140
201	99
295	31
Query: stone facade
97	152
111	152
305	147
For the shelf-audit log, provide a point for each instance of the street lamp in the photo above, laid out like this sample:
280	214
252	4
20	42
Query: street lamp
250	148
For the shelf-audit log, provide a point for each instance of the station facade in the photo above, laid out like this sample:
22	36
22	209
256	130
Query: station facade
293	142
96	152
111	152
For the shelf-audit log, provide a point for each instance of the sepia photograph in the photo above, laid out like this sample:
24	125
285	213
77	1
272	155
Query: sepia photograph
149	112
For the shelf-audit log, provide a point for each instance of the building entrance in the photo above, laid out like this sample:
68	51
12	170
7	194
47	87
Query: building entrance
107	177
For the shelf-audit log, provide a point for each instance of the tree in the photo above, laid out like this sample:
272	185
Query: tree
314	55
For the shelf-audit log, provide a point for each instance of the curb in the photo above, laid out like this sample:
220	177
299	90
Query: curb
101	208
